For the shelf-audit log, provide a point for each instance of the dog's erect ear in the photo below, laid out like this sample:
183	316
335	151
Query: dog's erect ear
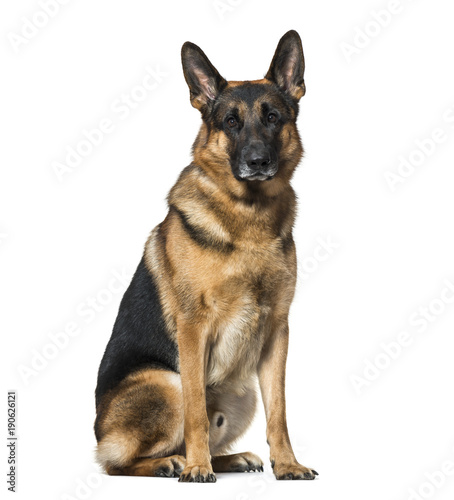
202	77
287	66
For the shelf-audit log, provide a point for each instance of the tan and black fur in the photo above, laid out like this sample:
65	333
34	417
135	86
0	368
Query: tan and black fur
206	313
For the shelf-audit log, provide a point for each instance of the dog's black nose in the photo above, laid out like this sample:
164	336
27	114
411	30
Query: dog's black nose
257	161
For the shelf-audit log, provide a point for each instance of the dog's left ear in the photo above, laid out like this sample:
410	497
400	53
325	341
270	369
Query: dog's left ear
287	66
202	77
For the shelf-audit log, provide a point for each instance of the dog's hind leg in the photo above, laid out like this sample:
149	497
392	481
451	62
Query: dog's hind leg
139	426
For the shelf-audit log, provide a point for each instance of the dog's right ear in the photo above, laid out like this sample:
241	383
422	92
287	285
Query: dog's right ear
203	79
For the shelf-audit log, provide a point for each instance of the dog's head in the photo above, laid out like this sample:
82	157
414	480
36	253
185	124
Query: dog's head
249	127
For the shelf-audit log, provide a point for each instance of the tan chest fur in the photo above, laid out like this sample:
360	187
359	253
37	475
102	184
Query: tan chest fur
243	307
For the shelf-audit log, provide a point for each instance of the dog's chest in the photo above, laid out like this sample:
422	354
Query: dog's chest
242	310
237	343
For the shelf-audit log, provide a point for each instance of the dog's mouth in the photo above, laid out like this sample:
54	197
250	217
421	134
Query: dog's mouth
247	174
258	177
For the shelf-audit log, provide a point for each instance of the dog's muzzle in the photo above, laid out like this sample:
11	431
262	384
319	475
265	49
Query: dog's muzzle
256	164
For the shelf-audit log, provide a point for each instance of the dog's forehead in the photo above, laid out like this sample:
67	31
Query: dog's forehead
249	94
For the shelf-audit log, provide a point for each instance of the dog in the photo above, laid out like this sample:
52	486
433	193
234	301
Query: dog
206	313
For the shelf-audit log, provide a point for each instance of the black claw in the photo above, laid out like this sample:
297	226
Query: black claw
261	468
308	475
289	476
272	464
314	472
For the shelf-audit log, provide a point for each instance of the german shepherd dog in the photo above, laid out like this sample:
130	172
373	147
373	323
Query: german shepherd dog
206	313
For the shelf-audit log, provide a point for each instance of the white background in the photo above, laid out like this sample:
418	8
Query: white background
60	241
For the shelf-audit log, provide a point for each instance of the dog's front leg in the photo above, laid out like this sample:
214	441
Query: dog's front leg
271	372
192	345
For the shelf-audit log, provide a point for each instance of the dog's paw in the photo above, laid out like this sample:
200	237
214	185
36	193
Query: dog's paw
170	466
240	462
292	471
197	474
247	462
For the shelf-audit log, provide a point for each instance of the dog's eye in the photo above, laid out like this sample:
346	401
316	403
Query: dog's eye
272	118
231	121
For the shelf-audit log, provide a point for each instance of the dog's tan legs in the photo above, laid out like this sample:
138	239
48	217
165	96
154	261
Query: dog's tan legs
271	371
240	462
192	346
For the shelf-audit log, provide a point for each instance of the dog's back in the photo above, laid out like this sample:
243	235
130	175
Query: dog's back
139	338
